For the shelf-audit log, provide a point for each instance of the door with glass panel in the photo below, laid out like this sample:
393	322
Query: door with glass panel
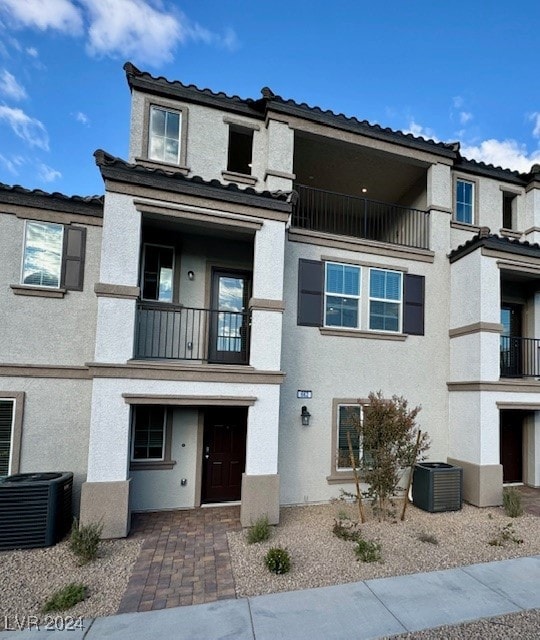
229	318
511	341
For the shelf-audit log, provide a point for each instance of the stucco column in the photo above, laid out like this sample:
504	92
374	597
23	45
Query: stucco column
280	154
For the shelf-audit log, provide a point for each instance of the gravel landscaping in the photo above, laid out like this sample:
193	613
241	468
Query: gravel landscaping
29	577
320	559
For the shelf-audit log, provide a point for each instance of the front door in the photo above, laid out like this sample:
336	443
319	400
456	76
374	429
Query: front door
511	445
229	321
224	451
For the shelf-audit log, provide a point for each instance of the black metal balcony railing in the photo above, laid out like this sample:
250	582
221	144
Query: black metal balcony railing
520	357
341	214
167	331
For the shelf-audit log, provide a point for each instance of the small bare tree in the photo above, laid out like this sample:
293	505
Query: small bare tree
390	446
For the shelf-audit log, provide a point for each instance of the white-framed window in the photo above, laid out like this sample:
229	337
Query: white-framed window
42	254
464	201
164	135
148	433
7	418
342	295
157	273
385	300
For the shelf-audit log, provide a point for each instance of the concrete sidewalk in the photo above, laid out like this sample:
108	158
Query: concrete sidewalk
369	609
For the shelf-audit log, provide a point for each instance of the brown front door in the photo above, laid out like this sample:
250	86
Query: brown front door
224	453
511	445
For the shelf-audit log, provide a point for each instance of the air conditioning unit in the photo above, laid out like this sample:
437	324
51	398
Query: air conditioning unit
437	486
35	509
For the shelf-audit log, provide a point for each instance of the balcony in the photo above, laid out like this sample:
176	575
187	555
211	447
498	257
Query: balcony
174	332
520	357
346	215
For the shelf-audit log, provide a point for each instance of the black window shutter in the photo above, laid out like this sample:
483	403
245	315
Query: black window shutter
310	292
73	259
413	305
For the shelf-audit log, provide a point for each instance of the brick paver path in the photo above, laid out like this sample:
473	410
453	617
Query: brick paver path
183	560
530	498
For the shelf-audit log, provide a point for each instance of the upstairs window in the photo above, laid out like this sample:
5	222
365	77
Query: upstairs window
53	256
385	295
157	276
148	437
240	152
342	296
509	216
464	201
164	135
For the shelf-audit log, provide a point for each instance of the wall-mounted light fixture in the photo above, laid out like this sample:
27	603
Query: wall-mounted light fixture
191	275
305	415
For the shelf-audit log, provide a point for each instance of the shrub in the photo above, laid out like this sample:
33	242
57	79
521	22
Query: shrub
368	550
84	540
504	535
260	531
278	560
512	503
346	529
65	598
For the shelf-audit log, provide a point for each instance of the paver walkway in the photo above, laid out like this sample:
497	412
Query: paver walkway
530	499
184	559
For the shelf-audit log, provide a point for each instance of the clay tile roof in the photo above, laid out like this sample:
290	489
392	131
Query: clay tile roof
486	239
15	194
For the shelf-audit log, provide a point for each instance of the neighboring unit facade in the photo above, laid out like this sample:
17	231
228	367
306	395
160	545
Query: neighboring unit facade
253	260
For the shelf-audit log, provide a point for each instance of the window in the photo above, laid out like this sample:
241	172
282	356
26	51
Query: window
53	256
509	202
157	276
240	151
465	201
7	416
342	295
348	418
385	294
164	135
148	438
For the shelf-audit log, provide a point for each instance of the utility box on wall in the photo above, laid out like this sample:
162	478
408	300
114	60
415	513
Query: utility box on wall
437	486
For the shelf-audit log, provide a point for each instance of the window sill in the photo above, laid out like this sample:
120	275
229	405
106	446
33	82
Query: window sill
164	465
465	226
344	477
358	333
244	178
166	166
43	292
510	233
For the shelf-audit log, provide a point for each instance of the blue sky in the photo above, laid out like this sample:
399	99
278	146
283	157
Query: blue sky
450	71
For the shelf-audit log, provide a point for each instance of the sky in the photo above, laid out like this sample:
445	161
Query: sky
451	71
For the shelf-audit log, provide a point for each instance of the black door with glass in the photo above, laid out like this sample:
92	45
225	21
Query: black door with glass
511	341
229	317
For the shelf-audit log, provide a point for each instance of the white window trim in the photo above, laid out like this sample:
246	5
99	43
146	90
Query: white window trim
474	185
141	284
21	278
398	302
358	298
164	434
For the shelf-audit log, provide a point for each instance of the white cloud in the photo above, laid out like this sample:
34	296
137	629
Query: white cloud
418	130
458	102
28	129
32	52
9	86
508	154
12	163
535	117
61	15
82	118
47	174
465	117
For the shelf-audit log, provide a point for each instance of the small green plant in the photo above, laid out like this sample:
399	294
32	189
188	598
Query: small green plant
84	540
260	531
368	550
506	534
428	537
278	560
512	503
65	598
346	529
